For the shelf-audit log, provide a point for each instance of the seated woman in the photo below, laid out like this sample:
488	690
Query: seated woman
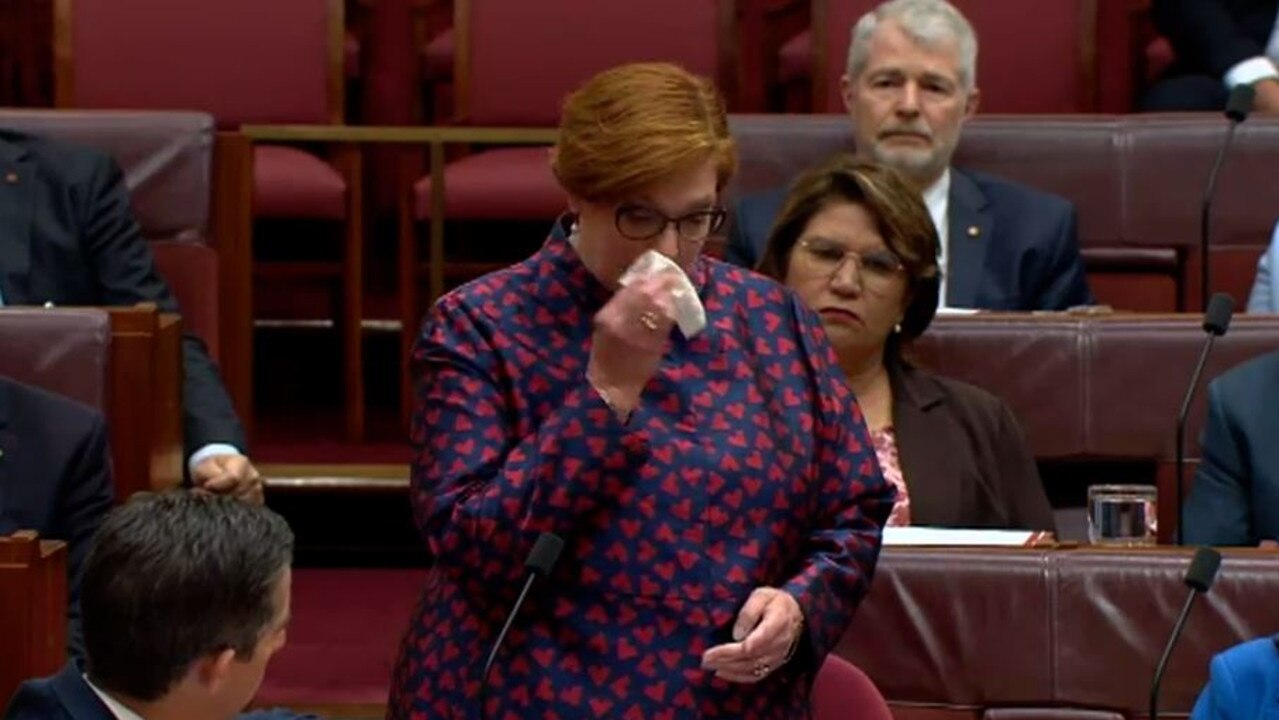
856	243
1242	683
1265	289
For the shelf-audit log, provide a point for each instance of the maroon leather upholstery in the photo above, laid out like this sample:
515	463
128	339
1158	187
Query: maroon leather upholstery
351	56
842	690
63	350
278	72
1028	62
1091	386
293	183
167	161
242	61
166	157
511	39
191	269
1071	633
438	57
1136	182
506	183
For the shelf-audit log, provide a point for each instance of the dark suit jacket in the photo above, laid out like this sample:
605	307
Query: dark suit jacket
1235	496
1212	36
963	456
68	236
1243	683
1025	255
66	696
55	477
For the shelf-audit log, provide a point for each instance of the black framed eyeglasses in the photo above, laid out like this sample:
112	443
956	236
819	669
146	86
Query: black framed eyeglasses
637	222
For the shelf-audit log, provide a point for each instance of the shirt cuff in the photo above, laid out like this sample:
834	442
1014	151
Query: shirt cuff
209	451
1250	71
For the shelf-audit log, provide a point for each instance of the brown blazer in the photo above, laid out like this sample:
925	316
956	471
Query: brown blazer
963	456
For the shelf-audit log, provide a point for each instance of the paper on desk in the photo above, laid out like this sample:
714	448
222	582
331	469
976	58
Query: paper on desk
689	313
914	535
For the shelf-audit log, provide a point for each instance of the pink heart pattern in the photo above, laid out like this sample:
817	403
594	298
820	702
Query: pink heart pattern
747	464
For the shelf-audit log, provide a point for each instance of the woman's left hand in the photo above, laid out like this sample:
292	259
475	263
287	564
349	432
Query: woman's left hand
765	634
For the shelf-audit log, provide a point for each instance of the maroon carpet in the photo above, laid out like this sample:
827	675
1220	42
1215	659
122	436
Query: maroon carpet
344	635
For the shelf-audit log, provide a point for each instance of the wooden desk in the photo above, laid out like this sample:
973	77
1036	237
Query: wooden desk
33	609
144	411
125	362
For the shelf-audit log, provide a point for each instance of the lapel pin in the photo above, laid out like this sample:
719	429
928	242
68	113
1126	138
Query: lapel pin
11	178
973	231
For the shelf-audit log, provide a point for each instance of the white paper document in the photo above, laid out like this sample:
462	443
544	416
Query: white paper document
907	536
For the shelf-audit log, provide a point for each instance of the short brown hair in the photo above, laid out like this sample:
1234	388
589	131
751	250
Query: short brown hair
898	210
634	125
173	577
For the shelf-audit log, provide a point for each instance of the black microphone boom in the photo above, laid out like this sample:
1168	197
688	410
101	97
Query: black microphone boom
540	562
1199	577
1237	109
1216	322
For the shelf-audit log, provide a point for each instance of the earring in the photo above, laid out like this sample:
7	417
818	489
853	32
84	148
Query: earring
897	328
573	234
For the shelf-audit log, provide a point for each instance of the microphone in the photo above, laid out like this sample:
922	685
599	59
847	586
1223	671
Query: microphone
1199	577
539	563
1237	108
1216	322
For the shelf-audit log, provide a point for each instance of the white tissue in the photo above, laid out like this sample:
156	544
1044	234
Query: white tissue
689	313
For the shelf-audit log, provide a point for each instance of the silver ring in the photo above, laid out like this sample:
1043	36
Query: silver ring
649	320
761	669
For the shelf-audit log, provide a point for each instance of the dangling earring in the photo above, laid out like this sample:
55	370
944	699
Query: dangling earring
573	235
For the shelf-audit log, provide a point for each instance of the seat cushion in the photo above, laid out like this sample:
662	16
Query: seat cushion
437	57
351	55
795	59
502	184
292	183
344	634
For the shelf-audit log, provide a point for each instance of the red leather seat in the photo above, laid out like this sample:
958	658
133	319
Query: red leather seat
842	691
1028	62
244	62
514	69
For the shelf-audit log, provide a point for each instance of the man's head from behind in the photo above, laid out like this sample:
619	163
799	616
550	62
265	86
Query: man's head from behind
185	598
910	84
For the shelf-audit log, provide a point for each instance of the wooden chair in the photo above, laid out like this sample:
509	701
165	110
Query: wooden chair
33	609
243	62
126	362
497	40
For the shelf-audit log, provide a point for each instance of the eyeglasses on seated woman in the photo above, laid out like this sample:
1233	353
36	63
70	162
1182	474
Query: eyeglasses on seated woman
856	243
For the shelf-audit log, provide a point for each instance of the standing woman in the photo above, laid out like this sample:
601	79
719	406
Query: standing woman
718	495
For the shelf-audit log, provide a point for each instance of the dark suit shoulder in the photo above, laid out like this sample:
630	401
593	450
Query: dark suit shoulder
1009	193
35	700
71	163
1258	377
963	398
26	402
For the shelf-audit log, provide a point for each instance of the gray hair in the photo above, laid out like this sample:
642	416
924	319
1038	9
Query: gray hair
927	22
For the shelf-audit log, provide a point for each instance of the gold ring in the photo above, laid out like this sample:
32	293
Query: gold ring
648	319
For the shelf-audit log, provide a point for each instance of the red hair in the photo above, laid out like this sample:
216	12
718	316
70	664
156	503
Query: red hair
633	126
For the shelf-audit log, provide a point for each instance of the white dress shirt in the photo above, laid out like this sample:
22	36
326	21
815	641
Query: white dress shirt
937	198
1262	67
119	711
